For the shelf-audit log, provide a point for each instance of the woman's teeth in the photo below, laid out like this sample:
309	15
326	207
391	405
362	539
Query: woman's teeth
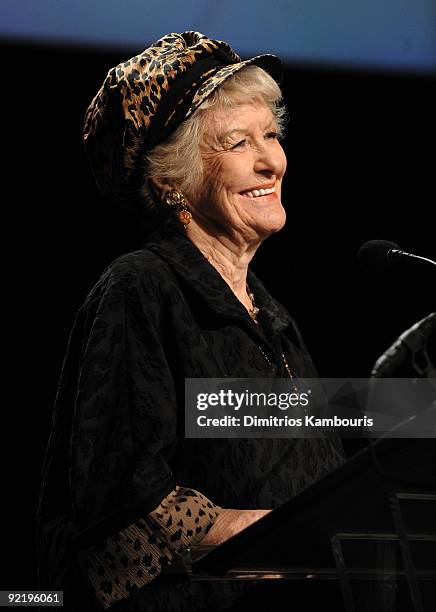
258	192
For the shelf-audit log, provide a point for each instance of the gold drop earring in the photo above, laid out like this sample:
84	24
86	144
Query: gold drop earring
177	200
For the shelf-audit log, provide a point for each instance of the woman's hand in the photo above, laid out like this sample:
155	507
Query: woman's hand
229	523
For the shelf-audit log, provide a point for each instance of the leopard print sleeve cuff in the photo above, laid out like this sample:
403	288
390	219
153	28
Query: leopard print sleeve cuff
133	557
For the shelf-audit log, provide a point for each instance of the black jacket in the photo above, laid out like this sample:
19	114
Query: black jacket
155	317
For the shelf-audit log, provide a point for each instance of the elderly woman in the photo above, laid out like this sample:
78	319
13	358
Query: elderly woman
187	136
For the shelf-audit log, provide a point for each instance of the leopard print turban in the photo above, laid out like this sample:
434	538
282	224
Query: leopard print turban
144	99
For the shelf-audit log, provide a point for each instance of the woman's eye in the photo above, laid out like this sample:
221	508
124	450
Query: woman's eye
272	135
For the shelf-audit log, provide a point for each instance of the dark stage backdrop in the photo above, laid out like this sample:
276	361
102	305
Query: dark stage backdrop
361	165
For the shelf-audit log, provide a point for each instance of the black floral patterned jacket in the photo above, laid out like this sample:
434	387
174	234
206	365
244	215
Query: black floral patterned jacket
117	448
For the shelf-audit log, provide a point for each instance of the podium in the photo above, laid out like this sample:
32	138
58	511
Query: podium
369	528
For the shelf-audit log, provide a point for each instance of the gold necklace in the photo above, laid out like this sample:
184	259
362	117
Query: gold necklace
255	310
286	364
253	314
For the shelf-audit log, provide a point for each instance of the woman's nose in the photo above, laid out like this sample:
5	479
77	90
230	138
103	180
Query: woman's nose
270	159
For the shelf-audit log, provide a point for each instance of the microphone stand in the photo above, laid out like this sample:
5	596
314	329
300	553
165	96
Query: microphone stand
397	254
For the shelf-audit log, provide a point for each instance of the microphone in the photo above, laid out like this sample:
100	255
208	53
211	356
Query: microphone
411	345
384	254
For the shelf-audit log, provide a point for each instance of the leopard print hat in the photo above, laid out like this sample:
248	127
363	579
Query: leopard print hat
144	99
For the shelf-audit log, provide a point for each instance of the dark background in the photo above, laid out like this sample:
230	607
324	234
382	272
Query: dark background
361	166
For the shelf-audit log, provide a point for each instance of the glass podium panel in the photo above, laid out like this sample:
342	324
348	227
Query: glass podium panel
391	571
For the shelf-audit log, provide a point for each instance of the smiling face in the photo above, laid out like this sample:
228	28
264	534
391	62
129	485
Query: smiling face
244	164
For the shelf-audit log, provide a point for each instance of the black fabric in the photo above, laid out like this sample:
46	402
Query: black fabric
155	317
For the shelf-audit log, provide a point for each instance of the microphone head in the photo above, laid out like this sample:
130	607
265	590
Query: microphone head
375	254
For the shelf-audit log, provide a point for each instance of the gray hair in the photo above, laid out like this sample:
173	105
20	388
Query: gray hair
178	160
